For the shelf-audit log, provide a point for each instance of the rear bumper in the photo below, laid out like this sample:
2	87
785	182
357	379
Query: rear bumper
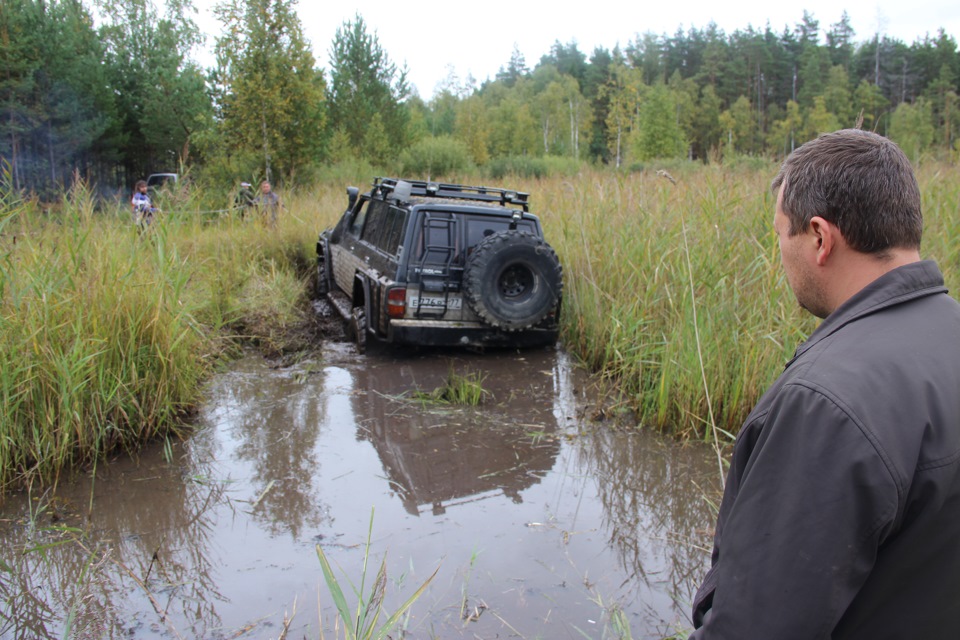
433	333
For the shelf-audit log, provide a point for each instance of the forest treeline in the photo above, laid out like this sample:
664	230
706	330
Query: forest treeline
113	91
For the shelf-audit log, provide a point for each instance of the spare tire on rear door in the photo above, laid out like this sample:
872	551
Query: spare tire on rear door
512	280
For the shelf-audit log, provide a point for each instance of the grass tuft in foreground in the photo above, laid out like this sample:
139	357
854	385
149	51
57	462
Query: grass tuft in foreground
363	625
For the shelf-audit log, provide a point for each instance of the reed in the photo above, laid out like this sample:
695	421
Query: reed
465	389
674	329
107	335
365	622
673	293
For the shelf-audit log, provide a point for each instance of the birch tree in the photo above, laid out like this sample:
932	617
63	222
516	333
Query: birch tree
272	96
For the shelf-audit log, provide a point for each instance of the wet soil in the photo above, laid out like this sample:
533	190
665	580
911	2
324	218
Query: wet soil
539	522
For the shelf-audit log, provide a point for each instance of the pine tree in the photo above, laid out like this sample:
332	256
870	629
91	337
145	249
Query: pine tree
840	41
515	70
56	109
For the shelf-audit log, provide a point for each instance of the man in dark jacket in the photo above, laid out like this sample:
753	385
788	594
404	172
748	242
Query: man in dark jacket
841	512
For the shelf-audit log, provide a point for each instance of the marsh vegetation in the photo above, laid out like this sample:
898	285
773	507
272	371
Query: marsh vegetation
674	296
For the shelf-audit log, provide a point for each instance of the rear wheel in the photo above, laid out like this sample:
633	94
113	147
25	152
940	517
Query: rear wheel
358	329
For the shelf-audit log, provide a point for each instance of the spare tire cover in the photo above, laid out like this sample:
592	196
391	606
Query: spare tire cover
512	280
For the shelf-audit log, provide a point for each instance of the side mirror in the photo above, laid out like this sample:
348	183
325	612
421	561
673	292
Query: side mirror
352	194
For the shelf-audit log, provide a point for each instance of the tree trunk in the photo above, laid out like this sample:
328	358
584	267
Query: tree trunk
266	148
53	164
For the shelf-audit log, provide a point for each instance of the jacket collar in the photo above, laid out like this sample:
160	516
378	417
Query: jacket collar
914	280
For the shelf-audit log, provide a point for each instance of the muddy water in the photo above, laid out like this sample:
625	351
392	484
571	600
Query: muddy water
539	522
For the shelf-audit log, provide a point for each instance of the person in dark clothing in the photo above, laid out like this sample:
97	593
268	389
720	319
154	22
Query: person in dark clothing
840	517
244	200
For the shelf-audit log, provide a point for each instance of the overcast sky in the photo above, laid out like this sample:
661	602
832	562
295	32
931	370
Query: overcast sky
477	38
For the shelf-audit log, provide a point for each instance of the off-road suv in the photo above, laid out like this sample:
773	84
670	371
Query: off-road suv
427	263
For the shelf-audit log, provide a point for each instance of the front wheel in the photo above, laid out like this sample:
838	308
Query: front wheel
322	284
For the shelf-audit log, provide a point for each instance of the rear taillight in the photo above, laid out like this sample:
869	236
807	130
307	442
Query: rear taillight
396	303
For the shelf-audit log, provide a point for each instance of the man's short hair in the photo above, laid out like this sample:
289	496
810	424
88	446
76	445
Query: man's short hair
860	181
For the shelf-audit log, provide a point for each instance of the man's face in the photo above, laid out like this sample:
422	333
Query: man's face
798	256
265	187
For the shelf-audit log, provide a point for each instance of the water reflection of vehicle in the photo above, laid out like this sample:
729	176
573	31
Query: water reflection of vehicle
437	456
439	464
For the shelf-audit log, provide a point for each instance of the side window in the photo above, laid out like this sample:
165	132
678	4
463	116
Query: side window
384	227
356	225
375	220
392	235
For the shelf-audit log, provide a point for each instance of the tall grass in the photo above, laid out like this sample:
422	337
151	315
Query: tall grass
647	314
673	292
107	335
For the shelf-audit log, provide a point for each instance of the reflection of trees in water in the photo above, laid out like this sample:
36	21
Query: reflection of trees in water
654	509
277	421
56	571
151	528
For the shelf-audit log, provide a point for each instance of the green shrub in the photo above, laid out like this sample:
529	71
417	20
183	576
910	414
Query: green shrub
533	167
436	156
517	166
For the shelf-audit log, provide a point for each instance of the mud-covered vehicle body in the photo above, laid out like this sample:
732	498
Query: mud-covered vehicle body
435	264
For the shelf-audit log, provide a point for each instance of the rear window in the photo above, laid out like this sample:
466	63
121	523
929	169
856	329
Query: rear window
437	242
480	228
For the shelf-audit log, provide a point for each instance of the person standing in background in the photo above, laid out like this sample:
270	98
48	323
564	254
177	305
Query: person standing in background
268	204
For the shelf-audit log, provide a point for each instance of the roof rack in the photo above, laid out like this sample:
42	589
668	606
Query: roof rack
387	186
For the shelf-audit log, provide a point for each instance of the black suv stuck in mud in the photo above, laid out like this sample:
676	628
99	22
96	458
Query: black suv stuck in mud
435	264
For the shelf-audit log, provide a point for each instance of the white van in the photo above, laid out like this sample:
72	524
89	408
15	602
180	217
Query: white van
158	180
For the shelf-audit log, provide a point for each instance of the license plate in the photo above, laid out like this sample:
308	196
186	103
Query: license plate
434	302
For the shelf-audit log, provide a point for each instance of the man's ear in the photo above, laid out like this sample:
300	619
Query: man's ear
827	237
